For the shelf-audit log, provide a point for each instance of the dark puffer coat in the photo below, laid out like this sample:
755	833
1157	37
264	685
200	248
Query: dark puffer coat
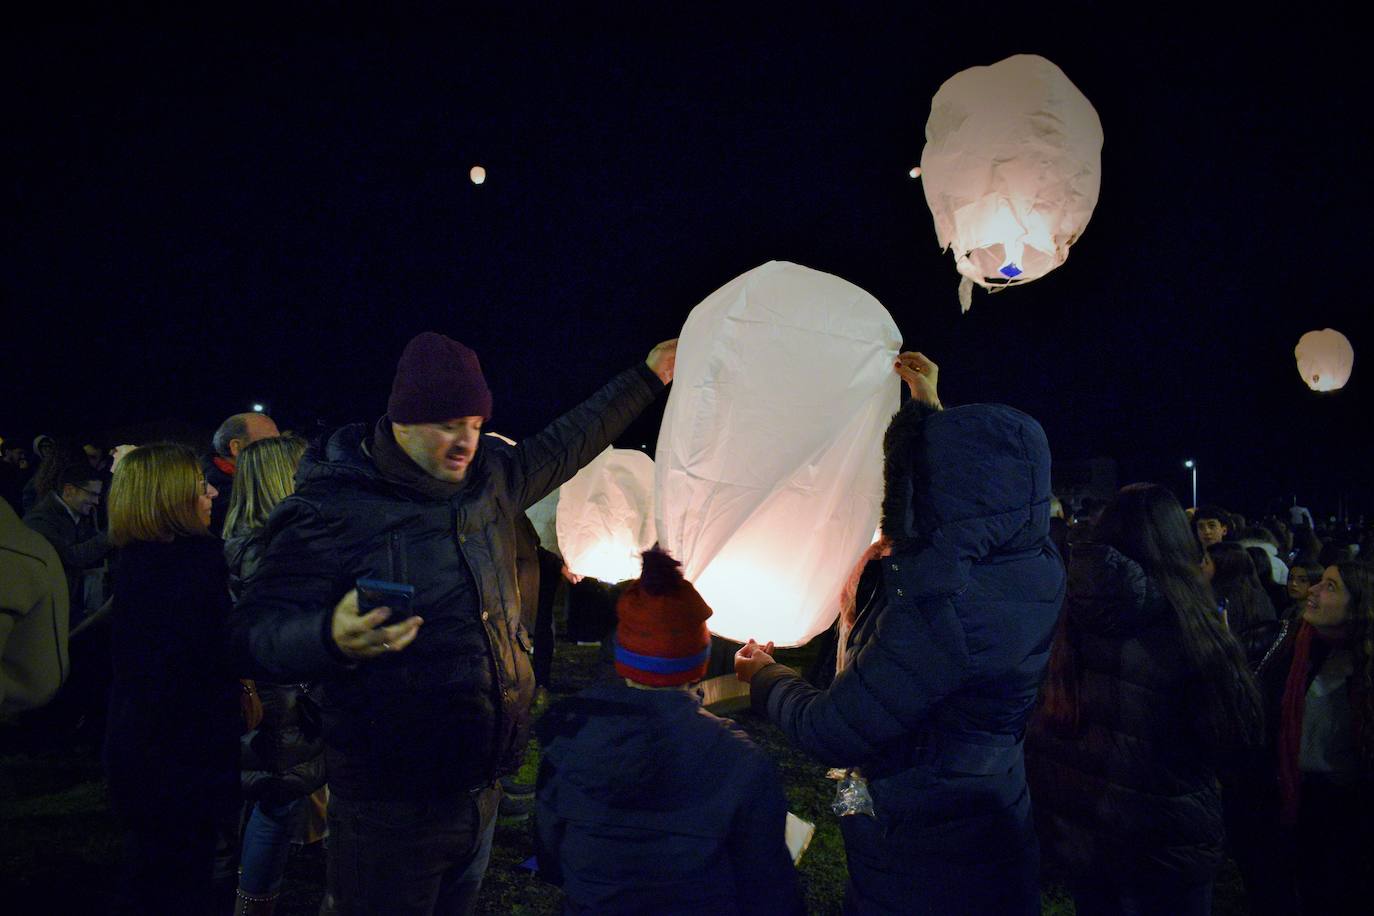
171	745
283	758
944	669
451	712
1134	795
649	803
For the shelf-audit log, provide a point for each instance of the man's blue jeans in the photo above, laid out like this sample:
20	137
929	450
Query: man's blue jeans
410	858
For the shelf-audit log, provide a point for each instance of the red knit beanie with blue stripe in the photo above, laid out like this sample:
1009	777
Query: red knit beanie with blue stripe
661	639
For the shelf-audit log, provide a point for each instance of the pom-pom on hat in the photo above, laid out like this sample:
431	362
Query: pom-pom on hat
438	379
661	639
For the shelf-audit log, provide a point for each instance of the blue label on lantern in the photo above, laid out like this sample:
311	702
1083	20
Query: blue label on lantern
1011	270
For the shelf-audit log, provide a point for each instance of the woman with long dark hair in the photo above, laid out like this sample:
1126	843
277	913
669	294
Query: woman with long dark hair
1315	784
1147	691
1249	613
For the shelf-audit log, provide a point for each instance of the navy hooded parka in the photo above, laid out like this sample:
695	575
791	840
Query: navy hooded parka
944	668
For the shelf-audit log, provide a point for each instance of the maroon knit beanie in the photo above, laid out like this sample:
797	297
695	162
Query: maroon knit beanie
437	379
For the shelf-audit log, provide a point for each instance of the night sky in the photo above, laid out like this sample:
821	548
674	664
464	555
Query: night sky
199	218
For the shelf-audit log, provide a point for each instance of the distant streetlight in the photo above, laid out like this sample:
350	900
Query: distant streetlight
477	174
915	173
258	408
1191	465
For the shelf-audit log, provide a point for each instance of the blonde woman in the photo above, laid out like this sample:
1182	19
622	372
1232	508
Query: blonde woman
282	760
266	475
171	745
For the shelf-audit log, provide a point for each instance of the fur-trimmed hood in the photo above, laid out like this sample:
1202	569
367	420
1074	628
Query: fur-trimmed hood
973	481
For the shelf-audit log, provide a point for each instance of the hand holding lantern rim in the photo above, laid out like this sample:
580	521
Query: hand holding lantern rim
662	360
751	659
921	375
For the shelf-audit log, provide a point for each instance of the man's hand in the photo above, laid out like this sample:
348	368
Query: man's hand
662	360
365	637
751	659
921	376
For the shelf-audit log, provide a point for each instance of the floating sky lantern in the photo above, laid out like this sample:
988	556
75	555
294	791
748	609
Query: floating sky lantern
477	174
770	455
606	515
1325	359
1011	169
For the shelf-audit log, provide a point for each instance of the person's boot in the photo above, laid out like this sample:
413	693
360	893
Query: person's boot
247	904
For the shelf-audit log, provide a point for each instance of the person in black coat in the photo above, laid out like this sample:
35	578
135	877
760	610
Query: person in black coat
171	746
1247	610
943	665
421	716
282	760
65	516
646	801
1147	694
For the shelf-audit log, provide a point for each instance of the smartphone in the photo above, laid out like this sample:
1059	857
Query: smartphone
375	593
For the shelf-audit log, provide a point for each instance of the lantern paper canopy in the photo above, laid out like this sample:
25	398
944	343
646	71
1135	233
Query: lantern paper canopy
1011	169
477	174
606	515
770	455
544	516
1325	359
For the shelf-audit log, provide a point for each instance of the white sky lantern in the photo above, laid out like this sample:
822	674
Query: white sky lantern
544	515
1325	359
606	515
477	174
1011	169
770	454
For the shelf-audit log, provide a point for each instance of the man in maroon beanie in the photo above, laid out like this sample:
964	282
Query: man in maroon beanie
427	700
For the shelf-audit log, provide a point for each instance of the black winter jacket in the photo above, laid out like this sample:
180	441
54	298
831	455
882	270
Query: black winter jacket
283	758
171	740
450	712
649	803
79	545
1133	795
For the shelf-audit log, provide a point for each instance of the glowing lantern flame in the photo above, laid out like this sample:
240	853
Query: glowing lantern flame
1011	170
606	515
477	174
1325	359
770	454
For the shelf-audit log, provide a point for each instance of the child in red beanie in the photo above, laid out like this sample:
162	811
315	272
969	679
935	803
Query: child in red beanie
646	801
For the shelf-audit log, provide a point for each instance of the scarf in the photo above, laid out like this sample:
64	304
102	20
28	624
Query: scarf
1290	718
398	468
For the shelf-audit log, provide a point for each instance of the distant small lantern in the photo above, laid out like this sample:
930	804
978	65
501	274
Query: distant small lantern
477	174
1325	359
1011	168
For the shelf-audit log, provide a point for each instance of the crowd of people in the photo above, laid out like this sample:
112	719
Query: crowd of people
350	632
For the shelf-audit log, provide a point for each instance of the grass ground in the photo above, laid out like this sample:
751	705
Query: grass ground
59	849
